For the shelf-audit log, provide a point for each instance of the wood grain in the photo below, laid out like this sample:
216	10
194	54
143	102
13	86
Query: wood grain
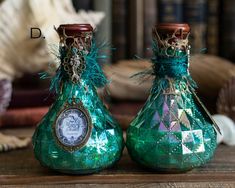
144	185
20	168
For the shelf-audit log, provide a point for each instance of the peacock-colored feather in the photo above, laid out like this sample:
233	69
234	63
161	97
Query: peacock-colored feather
93	69
173	65
92	72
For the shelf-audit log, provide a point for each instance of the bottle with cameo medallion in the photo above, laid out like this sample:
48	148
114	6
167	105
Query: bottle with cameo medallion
78	135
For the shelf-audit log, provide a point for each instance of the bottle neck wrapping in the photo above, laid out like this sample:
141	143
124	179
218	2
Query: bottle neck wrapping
174	67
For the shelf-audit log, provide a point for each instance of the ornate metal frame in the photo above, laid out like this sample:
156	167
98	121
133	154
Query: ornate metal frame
80	107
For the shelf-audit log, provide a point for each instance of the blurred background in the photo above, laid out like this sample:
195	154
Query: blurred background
127	26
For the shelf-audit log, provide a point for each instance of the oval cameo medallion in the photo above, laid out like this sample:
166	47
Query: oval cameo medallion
72	128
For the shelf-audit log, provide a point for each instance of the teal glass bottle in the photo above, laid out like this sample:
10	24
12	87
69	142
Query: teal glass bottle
173	132
78	135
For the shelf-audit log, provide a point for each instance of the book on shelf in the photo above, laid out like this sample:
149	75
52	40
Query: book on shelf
135	33
227	30
195	13
170	11
150	19
213	27
22	117
119	30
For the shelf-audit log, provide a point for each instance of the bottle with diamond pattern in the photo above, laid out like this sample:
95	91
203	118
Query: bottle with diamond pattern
78	135
173	132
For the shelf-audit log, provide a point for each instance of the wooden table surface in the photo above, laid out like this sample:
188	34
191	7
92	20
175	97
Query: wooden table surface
19	169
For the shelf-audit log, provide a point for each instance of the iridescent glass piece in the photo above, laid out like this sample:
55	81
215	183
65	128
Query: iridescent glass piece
173	132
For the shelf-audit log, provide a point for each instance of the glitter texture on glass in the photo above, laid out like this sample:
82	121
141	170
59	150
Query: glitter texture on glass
78	135
173	132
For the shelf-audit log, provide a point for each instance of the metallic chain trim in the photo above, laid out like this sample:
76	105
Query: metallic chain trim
171	43
76	48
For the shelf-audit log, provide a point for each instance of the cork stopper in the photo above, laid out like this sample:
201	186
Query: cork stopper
181	30
171	38
75	34
74	29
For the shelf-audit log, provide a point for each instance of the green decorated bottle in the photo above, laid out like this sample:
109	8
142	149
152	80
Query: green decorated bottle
78	135
173	132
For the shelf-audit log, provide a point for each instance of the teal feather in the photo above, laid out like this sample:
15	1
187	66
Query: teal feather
173	64
93	71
